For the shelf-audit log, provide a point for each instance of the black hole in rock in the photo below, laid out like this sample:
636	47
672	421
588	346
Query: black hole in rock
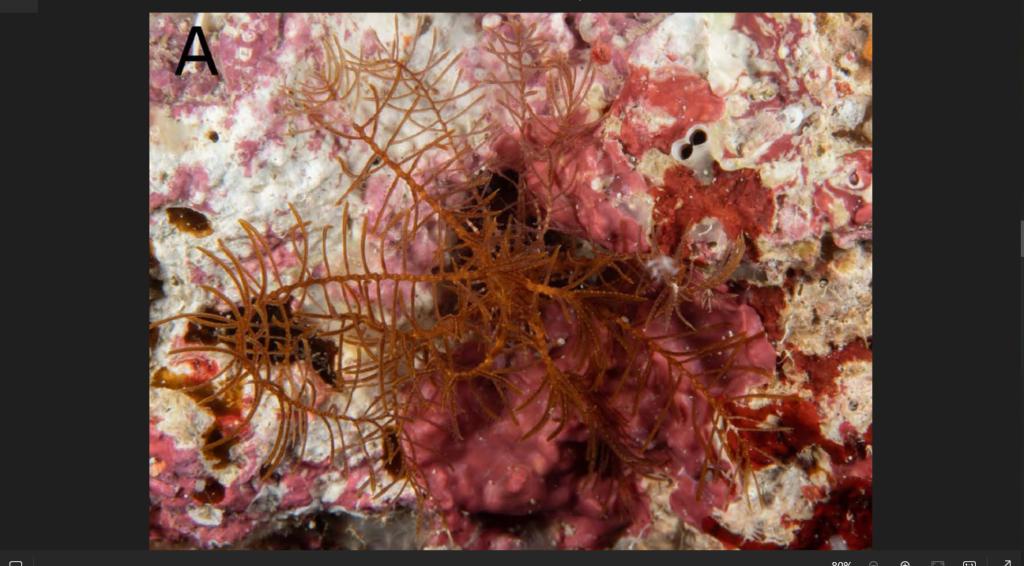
212	493
392	453
221	452
501	197
529	528
425	26
156	286
156	289
280	348
201	334
686	152
828	248
322	355
699	137
503	192
212	136
275	475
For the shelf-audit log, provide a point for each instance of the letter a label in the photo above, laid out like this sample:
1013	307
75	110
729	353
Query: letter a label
206	57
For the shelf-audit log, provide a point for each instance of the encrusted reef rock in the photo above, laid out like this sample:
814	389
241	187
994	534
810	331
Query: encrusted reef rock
511	281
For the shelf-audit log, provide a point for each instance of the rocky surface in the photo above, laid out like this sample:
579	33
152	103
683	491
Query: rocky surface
706	129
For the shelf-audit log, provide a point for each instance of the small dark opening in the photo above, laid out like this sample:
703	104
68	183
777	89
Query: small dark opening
156	289
201	334
212	136
686	152
393	462
212	493
153	262
322	356
500	197
156	286
189	221
265	468
828	249
503	192
699	137
221	452
425	26
280	348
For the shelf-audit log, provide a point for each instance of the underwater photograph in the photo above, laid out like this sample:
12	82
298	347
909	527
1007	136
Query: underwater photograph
510	281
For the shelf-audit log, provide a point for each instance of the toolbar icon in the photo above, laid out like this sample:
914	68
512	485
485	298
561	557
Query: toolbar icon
938	563
970	563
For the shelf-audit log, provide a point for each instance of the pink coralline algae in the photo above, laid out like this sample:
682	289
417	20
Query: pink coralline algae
674	96
189	185
721	160
492	471
610	214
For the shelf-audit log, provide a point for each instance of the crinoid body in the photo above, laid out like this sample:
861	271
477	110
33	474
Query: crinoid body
456	342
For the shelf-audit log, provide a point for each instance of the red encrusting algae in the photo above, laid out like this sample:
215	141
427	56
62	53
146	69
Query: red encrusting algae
736	198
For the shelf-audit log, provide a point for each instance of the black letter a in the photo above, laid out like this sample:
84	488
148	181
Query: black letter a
206	56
